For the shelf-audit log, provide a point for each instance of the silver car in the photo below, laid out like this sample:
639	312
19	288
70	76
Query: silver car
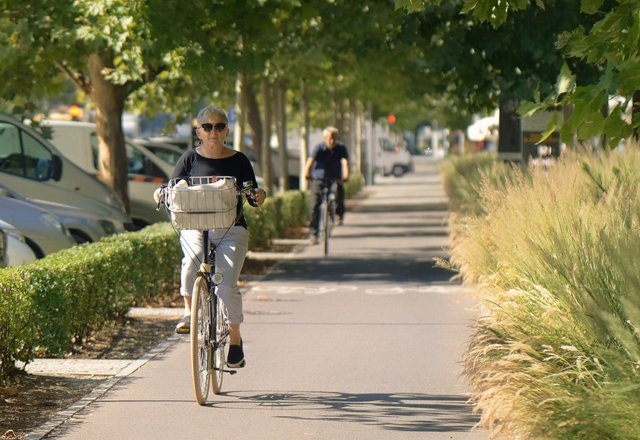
13	247
167	152
84	226
43	231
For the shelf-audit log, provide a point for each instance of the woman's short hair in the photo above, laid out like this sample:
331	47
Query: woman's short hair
211	110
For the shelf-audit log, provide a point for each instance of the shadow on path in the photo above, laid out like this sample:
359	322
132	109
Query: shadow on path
375	268
396	411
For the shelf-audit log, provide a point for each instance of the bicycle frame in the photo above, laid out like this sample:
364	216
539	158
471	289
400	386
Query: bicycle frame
327	212
214	342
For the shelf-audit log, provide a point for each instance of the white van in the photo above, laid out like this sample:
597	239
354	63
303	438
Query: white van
393	159
78	142
32	167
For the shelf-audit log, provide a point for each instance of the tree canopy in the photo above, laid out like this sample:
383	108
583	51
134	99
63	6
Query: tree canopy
418	59
597	52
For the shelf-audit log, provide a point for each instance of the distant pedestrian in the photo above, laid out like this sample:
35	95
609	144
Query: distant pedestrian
328	165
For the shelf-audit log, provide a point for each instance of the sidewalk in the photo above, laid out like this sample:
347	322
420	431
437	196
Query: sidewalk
365	343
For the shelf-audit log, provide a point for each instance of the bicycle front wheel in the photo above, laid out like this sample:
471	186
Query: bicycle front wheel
200	336
219	345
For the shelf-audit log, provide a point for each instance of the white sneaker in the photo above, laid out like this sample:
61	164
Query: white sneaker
184	326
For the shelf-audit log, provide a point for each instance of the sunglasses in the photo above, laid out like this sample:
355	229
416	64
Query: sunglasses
219	127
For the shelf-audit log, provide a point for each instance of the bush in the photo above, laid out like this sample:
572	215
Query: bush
554	258
59	300
464	176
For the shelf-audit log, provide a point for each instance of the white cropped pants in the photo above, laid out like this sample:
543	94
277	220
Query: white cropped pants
231	251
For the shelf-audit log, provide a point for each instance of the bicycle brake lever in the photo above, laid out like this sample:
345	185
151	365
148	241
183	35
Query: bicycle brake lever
249	190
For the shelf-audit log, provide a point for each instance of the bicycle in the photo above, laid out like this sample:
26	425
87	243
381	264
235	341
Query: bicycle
205	203
327	213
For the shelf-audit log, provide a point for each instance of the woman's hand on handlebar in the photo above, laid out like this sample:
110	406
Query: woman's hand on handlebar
157	195
259	196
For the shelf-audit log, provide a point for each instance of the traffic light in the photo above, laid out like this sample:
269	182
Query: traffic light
391	118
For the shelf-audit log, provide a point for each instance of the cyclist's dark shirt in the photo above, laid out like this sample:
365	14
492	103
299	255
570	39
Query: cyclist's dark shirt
327	161
192	164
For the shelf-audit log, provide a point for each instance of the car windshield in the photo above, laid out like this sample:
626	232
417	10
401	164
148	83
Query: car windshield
169	156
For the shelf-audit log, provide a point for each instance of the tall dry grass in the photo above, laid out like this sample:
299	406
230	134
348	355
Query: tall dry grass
555	257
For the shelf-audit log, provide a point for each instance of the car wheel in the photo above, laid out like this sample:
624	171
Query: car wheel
80	237
139	224
397	171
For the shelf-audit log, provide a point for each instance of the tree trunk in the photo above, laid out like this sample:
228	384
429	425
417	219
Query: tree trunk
267	175
353	123
567	114
635	115
337	117
372	147
334	107
304	133
358	160
238	132
281	126
109	99
510	129
255	122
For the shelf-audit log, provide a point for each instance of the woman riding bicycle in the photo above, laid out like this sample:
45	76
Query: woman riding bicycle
213	158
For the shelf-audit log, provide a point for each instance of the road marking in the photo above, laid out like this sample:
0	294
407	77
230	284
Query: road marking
381	290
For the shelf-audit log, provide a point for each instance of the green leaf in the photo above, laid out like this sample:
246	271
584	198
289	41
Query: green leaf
587	101
566	80
566	132
590	6
591	126
552	126
615	127
629	76
412	5
528	108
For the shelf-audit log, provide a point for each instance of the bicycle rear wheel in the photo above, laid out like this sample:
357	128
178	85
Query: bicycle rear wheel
219	346
325	227
200	339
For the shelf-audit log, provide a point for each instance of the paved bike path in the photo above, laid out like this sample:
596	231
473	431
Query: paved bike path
363	344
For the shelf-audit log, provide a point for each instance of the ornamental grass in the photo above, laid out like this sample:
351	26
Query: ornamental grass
554	256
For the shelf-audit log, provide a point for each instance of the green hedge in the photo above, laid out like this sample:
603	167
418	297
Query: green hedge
58	300
48	306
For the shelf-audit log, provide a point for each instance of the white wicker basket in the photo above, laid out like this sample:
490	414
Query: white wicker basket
206	206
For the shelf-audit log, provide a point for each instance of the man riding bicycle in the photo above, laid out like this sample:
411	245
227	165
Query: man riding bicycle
327	165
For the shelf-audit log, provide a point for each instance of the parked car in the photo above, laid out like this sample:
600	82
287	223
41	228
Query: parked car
43	231
167	152
84	226
34	168
184	143
14	249
393	159
79	142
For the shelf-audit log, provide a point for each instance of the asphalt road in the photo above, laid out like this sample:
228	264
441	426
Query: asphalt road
364	344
